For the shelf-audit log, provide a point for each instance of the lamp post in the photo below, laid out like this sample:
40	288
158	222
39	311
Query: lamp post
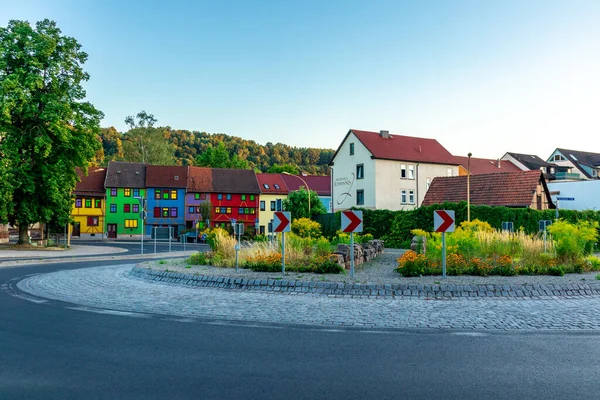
256	226
469	187
140	199
307	189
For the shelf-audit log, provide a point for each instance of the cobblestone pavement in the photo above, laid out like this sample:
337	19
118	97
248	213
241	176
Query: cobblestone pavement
113	288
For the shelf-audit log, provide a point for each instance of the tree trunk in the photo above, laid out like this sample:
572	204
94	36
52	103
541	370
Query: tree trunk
23	234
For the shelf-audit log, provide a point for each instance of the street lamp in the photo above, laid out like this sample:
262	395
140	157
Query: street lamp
469	187
142	202
307	189
256	226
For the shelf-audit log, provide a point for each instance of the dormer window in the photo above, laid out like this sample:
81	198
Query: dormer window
276	186
558	157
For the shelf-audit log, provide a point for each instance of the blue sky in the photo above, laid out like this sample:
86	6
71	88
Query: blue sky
485	77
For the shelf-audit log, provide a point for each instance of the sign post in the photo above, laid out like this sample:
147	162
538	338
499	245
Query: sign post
543	225
143	213
352	222
558	199
443	221
281	223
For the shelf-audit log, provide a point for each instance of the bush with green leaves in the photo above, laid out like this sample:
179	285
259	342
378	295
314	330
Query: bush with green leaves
305	227
573	241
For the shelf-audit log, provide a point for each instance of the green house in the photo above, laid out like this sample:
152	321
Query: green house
124	186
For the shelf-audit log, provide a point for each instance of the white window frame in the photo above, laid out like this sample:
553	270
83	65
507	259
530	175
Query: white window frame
411	197
428	183
402	171
403	197
411	171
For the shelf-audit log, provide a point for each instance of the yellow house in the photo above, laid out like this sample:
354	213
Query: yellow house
89	206
273	190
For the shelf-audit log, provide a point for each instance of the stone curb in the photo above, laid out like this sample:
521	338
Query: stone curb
372	290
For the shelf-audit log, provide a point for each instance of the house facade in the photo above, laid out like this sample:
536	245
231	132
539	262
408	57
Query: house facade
89	206
273	190
4	233
531	162
523	189
235	196
581	194
124	185
165	205
199	187
576	165
381	171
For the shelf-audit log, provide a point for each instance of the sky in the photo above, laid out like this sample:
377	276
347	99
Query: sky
485	77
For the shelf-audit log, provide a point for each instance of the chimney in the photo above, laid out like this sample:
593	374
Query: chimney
498	163
384	134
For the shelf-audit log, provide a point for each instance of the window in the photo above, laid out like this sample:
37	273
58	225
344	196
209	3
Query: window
113	208
97	203
88	203
272	206
219	197
543	169
262	205
402	170
403	197
228	196
191	210
131	223
360	197
157	194
136	192
241	211
265	186
428	183
252	211
351	149
228	210
136	208
558	157
196	196
77	203
411	197
127	192
276	186
552	170
173	194
156	212
198	210
165	194
252	196
92	221
173	212
411	172
217	210
223	210
360	171
113	191
126	208
164	212
449	171
243	197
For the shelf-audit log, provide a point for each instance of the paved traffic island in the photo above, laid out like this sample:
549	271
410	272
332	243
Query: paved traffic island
375	279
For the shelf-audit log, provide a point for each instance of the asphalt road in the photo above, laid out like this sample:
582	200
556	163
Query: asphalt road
55	350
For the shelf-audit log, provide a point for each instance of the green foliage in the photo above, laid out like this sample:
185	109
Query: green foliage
144	143
297	203
201	258
305	227
46	127
289	168
219	157
322	247
573	241
340	238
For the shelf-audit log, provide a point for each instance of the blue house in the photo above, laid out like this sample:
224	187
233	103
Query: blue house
165	206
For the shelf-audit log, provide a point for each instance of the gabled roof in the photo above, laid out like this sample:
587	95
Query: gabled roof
509	189
272	184
321	184
486	165
160	176
92	184
582	157
402	148
199	180
531	161
225	180
125	175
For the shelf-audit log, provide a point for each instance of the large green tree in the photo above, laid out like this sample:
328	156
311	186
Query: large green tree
46	127
218	157
146	144
297	203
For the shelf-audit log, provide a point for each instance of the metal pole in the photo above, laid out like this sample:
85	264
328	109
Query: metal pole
469	188
282	253
351	254
155	240
556	208
170	236
142	251
544	238
443	254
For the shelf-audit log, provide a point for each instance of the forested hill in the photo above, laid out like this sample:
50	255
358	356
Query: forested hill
190	144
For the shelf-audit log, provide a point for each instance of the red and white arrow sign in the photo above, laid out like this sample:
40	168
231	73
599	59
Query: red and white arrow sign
443	220
352	221
281	221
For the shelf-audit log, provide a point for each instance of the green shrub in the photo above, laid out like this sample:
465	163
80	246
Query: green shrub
322	247
200	258
572	241
306	227
413	264
557	270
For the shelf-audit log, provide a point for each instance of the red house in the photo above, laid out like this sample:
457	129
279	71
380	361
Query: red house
234	195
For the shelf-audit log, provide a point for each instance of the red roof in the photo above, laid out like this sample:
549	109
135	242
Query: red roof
510	189
404	148
486	165
161	176
92	184
199	180
272	184
320	184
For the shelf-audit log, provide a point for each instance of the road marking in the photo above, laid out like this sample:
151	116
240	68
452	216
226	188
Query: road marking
109	312
474	334
27	297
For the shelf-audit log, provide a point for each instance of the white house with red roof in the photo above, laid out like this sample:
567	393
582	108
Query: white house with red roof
378	170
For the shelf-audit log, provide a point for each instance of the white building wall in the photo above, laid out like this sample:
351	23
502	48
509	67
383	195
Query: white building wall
585	193
344	181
